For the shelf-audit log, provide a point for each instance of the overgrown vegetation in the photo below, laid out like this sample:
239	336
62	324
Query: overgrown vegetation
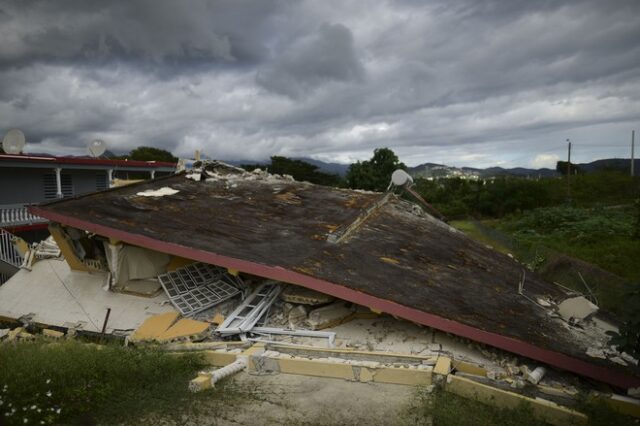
76	383
600	236
445	408
459	198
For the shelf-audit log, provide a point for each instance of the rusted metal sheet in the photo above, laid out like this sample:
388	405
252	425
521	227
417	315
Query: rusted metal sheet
396	261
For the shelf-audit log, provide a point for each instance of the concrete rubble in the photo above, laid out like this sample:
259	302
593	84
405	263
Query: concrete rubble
159	192
329	316
576	309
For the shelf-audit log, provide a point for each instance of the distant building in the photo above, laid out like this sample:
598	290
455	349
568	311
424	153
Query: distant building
31	179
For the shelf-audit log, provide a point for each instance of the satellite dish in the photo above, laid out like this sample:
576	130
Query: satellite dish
401	178
96	148
13	141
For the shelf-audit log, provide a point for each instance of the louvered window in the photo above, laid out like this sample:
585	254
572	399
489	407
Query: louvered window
50	188
101	182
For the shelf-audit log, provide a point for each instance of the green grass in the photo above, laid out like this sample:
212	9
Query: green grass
447	409
541	239
599	236
469	228
76	383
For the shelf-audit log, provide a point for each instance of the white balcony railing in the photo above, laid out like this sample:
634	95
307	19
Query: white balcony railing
17	215
8	251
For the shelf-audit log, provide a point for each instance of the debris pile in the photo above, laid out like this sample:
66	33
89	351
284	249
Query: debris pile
218	171
45	249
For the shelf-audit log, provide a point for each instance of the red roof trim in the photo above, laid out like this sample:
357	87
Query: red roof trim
23	228
278	273
85	161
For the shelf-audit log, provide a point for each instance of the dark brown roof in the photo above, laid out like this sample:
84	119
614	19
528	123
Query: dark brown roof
398	259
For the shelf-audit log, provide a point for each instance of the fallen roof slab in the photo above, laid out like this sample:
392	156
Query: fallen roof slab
394	260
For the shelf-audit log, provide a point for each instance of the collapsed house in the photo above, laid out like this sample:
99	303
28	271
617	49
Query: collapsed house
375	250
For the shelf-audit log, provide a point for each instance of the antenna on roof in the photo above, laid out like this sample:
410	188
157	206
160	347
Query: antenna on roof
13	141
96	148
402	179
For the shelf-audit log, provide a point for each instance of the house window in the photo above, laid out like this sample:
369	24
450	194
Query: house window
50	187
101	182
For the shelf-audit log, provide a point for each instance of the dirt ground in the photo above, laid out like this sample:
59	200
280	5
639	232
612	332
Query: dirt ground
284	399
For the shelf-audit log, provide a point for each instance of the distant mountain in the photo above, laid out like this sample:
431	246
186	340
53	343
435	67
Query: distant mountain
331	168
433	170
622	164
518	171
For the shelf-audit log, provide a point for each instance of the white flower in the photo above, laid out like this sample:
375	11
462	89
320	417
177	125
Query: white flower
48	381
49	393
25	420
33	407
58	410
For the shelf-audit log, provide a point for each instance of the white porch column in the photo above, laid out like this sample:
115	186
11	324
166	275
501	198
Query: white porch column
58	183
110	178
153	174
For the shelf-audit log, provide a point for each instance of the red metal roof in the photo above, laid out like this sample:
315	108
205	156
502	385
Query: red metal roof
84	161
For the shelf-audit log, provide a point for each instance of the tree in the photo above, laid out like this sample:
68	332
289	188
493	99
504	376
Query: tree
374	174
148	153
561	167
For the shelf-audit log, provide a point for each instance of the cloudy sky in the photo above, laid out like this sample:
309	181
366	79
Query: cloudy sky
467	82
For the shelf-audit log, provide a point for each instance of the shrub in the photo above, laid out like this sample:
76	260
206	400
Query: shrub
53	383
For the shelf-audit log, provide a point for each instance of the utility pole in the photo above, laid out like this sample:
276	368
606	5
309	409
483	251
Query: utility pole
569	171
633	142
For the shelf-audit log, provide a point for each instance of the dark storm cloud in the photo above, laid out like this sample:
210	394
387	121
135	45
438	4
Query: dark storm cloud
147	31
327	55
459	81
